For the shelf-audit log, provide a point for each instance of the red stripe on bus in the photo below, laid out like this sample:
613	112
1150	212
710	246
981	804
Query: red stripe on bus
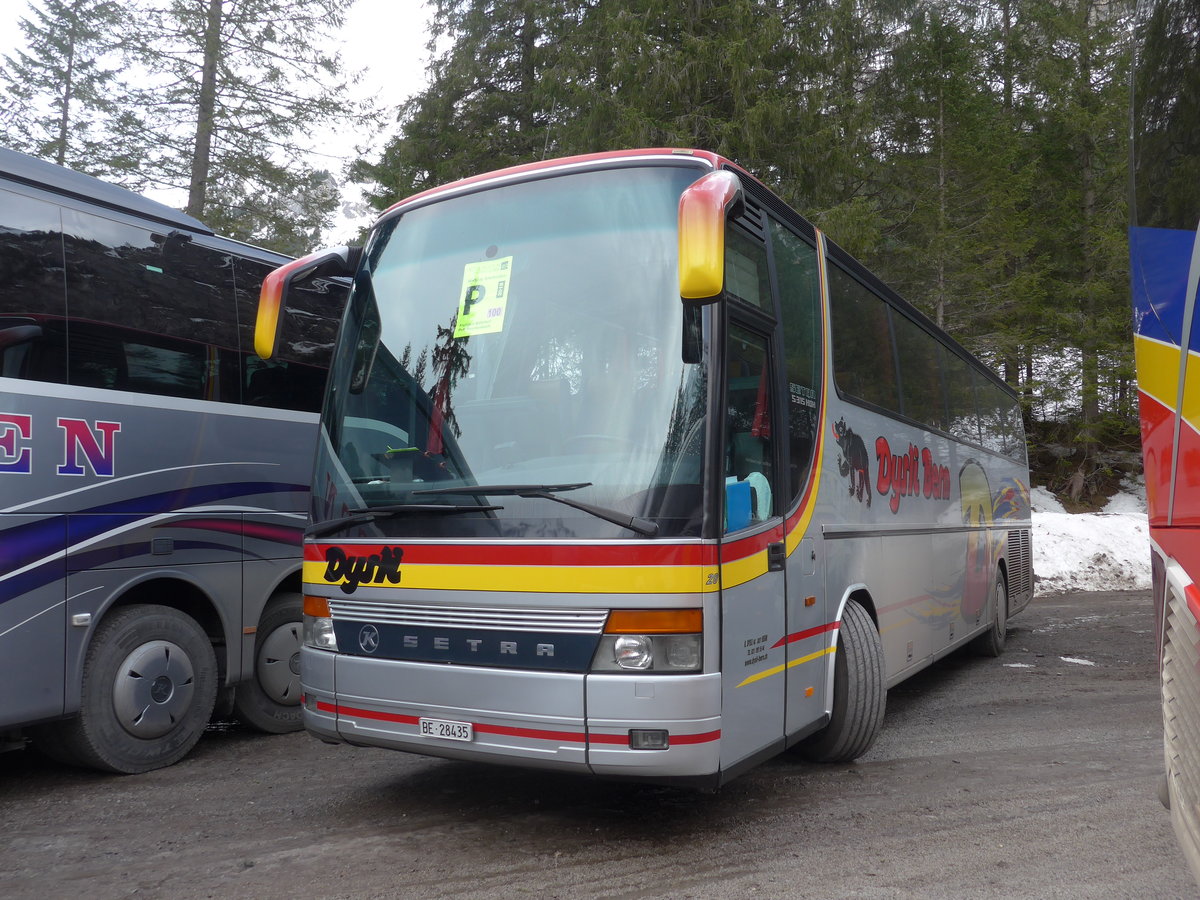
537	734
704	738
356	713
575	737
732	551
534	554
807	633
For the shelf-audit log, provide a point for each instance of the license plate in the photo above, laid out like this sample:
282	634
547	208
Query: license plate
450	731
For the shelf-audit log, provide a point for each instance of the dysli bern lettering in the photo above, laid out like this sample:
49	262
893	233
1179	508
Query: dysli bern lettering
348	572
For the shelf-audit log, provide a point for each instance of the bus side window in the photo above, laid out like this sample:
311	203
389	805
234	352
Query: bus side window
800	299
749	448
964	418
150	312
295	377
921	388
31	290
863	362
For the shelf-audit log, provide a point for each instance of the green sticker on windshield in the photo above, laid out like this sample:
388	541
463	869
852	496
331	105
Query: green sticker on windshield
483	298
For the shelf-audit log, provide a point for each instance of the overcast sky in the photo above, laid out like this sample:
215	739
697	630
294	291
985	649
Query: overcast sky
384	39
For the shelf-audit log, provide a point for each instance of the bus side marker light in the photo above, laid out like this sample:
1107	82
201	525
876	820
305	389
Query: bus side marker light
649	739
654	621
318	624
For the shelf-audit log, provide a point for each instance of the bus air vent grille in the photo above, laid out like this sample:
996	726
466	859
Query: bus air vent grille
1181	711
560	621
1020	562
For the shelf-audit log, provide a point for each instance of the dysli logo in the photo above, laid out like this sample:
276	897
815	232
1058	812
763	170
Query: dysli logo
351	571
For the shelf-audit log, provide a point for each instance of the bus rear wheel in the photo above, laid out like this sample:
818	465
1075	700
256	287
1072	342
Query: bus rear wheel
992	641
149	685
859	692
270	699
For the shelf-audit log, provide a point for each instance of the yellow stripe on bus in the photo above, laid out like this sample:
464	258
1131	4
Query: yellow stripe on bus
1191	391
775	670
1158	376
544	579
743	570
1157	370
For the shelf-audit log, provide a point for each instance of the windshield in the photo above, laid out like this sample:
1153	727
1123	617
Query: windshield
525	335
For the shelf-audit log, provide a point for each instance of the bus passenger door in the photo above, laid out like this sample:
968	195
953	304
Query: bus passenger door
752	557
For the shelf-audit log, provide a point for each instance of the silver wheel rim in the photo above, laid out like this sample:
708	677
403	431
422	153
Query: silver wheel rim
153	689
1001	607
278	665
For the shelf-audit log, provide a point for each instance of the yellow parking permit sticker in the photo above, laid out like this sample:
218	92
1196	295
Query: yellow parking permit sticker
484	297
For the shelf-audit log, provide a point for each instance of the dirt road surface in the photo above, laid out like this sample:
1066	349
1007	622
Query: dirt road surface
1029	776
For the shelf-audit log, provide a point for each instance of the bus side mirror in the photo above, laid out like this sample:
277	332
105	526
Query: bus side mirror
704	208
340	261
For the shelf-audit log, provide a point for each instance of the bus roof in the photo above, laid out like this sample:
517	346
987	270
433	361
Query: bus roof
564	162
36	172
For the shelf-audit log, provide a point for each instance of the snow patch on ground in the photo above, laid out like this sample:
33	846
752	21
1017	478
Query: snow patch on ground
1104	551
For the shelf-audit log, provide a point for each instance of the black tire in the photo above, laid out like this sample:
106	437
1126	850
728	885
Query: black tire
992	641
269	699
149	684
859	692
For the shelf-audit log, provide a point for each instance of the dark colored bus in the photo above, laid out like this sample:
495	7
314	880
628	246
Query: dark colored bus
153	473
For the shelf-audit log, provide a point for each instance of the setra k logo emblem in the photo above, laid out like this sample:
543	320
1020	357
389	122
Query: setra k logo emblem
368	638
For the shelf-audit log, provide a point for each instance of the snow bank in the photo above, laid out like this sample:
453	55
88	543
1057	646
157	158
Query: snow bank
1104	551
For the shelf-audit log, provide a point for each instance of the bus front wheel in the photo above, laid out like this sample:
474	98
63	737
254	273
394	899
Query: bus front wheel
859	692
149	685
270	699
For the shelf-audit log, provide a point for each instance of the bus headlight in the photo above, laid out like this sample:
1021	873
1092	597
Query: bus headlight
633	651
318	624
658	640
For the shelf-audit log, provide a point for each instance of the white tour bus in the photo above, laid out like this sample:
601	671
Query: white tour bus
625	469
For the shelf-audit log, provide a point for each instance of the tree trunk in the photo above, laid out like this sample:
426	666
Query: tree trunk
64	120
1087	168
206	112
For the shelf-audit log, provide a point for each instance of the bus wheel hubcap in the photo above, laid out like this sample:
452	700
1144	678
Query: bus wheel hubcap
278	667
153	689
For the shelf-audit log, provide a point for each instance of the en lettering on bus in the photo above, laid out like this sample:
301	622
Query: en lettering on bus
86	446
14	458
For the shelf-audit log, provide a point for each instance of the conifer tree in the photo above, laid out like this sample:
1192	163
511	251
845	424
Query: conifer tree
64	93
1081	212
496	92
236	89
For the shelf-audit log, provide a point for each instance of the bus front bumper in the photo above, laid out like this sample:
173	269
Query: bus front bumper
547	720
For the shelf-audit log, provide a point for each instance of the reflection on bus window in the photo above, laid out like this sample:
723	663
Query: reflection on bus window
749	447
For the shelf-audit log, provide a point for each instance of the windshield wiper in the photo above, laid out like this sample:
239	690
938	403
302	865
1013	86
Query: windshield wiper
362	516
550	492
